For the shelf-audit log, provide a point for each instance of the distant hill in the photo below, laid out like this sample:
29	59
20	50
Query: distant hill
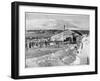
49	33
83	31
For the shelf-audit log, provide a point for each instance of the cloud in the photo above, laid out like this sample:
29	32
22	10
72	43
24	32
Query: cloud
41	24
46	22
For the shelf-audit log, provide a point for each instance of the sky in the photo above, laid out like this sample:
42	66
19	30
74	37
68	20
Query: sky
46	21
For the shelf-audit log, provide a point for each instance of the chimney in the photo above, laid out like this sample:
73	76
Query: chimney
64	27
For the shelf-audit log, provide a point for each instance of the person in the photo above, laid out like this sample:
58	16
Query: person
74	37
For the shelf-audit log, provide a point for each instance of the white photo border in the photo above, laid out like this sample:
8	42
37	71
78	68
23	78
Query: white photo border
61	69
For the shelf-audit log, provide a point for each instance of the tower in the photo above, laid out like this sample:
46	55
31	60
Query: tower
64	27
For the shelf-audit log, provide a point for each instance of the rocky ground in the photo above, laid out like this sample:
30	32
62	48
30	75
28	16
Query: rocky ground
46	57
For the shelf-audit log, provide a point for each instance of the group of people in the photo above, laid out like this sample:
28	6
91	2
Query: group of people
46	42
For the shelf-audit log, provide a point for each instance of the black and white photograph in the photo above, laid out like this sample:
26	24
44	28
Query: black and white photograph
50	40
56	39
